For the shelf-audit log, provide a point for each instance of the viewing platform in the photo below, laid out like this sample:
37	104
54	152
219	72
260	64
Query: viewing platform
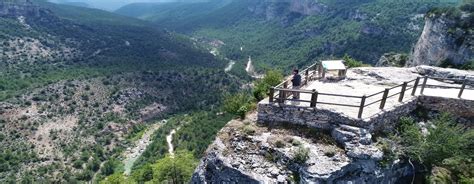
367	97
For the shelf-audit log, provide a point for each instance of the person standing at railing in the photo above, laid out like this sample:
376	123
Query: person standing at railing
296	81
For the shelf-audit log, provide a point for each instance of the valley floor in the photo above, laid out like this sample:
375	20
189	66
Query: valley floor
133	153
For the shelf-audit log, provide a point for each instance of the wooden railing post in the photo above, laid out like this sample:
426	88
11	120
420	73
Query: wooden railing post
306	73
384	98
402	93
281	96
415	86
314	98
315	69
285	86
361	108
462	88
424	84
272	94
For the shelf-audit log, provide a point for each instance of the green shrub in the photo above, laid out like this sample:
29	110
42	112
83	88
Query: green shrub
352	63
301	155
271	156
238	104
467	6
330	152
280	143
248	130
93	165
295	142
78	164
262	86
107	168
85	175
143	174
177	169
468	66
447	145
115	179
389	151
440	175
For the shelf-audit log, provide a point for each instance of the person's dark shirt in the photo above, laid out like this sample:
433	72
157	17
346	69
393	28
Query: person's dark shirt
296	80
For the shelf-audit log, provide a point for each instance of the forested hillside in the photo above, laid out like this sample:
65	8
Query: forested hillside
286	34
78	83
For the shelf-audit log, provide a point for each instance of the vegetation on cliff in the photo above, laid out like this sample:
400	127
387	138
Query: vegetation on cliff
275	35
441	149
77	83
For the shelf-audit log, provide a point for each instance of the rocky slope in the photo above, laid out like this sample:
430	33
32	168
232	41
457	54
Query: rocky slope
445	40
13	8
245	152
77	83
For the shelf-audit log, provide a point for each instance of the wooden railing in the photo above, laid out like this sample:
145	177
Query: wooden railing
464	83
283	90
281	93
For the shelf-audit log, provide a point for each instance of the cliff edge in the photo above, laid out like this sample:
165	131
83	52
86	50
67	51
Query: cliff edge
447	39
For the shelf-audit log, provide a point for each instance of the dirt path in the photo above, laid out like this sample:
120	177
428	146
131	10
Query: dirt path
133	153
229	66
250	69
169	140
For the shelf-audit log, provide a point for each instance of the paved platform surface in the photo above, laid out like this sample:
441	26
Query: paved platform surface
369	81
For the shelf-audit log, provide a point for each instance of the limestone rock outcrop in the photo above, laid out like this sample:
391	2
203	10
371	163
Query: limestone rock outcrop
274	155
271	9
444	72
443	42
392	59
15	8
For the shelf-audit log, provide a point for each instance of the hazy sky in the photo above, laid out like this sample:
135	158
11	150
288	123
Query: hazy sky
109	4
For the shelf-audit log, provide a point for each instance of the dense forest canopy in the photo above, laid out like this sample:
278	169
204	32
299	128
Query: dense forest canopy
288	34
76	83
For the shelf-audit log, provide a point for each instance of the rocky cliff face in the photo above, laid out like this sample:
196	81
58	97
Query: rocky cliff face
306	7
245	152
272	9
443	42
15	8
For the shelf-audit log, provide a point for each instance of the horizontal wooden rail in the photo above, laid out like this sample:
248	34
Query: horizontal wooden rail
294	100
441	86
338	104
374	102
397	86
294	90
339	95
281	92
375	94
448	79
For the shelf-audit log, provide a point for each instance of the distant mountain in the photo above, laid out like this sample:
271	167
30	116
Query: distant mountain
288	34
79	4
178	11
111	5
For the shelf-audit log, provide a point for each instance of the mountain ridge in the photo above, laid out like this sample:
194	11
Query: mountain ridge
282	34
78	83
